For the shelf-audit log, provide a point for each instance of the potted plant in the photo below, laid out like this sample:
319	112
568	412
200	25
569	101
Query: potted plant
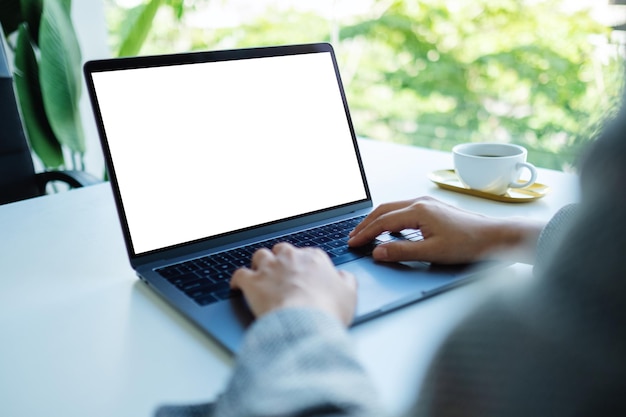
48	81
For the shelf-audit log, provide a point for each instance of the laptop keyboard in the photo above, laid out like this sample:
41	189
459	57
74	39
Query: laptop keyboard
206	279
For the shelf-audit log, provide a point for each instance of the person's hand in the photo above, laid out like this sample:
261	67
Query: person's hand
451	235
290	277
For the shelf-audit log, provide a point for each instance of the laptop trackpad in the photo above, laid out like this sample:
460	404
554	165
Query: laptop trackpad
384	286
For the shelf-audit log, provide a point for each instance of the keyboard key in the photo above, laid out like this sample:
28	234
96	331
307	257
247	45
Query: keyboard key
241	262
206	300
384	238
187	267
413	235
196	284
337	243
200	291
226	267
207	261
227	293
346	257
217	292
183	280
169	271
339	251
220	276
206	272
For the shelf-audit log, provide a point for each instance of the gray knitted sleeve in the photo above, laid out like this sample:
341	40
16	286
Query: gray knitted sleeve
298	362
555	230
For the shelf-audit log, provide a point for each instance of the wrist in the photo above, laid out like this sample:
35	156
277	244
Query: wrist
513	238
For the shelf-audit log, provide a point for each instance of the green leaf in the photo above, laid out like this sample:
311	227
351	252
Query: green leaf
139	29
60	73
31	12
178	6
42	139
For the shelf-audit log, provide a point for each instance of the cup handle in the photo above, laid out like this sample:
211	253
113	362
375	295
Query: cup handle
533	175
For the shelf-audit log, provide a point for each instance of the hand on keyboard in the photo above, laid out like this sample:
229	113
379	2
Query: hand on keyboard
287	276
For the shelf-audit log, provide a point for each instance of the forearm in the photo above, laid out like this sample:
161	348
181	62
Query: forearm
298	362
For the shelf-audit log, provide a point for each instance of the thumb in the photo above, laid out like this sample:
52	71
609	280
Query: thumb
404	251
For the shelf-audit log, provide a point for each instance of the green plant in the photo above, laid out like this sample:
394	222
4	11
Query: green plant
135	24
47	74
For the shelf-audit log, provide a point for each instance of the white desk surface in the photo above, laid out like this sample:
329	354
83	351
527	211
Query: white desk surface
82	336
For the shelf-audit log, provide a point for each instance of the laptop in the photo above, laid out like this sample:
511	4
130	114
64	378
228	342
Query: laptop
212	155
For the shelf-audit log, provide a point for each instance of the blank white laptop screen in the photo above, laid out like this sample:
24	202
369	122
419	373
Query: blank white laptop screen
208	148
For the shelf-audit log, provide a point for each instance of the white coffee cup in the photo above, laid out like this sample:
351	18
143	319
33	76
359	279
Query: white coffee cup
492	167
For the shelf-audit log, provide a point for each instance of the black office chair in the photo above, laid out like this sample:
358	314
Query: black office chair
18	179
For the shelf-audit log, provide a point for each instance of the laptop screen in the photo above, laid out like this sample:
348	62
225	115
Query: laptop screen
203	149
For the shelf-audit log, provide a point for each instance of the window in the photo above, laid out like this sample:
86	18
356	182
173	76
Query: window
545	74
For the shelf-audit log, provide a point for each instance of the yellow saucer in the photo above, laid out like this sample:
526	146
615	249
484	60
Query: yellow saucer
447	179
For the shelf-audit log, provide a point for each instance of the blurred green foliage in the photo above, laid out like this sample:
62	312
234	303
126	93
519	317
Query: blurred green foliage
485	71
434	73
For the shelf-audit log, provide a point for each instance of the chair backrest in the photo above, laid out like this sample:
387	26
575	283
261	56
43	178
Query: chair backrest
17	173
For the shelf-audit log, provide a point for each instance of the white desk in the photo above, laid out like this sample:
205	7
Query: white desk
81	336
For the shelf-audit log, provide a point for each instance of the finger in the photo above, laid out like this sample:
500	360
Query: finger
369	231
406	251
393	221
315	252
282	247
259	257
240	278
379	211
